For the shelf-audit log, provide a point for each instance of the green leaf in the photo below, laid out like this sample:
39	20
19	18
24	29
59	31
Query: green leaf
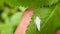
15	19
51	23
42	13
31	3
6	29
5	17
1	2
50	20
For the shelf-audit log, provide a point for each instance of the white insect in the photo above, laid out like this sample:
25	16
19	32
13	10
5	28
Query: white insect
37	22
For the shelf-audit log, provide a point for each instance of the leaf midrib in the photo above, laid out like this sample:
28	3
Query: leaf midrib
51	14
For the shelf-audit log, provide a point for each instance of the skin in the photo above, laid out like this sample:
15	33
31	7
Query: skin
57	32
25	21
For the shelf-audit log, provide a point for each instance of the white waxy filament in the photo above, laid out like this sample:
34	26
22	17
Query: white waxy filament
37	22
